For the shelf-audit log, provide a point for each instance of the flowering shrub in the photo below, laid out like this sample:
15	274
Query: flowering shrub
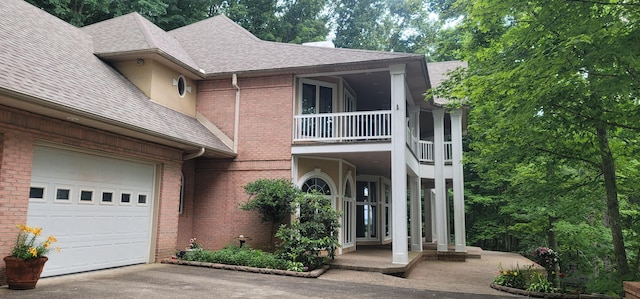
526	278
547	258
194	245
26	246
513	278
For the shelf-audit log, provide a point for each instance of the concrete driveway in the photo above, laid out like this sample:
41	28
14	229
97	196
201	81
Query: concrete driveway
176	281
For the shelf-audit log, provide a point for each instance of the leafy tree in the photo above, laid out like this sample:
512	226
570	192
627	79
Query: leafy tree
559	83
272	198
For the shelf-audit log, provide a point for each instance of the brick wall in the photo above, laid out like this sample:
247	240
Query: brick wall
264	151
20	130
185	219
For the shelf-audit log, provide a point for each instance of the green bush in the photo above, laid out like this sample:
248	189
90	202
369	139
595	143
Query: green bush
513	278
272	198
527	278
314	231
234	255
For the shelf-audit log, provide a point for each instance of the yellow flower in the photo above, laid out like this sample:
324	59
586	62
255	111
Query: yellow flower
33	251
57	249
37	231
52	239
515	273
45	244
553	272
505	272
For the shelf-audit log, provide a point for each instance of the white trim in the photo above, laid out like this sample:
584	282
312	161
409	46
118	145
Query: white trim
348	179
122	192
63	187
86	202
105	191
334	93
44	192
341	148
330	74
147	199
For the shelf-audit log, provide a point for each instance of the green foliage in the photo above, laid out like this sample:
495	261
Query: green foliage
314	231
234	255
526	278
553	125
29	246
513	278
272	198
539	283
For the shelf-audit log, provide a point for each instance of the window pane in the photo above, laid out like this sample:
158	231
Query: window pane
347	189
326	99
316	184
360	222
86	195
36	192
372	192
142	198
362	191
125	197
308	99
107	196
62	194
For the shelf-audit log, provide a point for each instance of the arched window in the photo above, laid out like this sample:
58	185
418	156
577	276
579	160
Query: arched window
316	184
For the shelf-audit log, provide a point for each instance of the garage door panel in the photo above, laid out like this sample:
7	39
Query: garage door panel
92	234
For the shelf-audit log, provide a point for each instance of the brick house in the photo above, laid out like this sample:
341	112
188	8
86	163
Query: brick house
125	141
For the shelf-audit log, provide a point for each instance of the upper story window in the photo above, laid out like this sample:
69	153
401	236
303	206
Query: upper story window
316	97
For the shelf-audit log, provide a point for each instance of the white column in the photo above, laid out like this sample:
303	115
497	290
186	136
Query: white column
416	214
434	226
398	166
458	181
440	188
426	216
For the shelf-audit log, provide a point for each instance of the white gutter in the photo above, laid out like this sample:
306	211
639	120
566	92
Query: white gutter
234	82
194	155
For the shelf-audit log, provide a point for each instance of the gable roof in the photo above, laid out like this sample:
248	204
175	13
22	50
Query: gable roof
51	64
220	46
132	34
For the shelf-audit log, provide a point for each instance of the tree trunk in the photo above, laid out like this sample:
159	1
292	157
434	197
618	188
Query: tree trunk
553	244
613	208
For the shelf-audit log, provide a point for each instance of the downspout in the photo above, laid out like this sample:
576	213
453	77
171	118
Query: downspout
194	155
234	82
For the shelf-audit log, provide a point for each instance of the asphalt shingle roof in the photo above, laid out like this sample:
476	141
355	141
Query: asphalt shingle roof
438	72
45	58
219	45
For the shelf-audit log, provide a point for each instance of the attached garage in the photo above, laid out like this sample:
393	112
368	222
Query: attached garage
98	207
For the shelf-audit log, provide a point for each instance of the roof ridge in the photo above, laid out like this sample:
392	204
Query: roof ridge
242	29
148	36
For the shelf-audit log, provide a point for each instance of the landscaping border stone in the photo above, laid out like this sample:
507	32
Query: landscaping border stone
548	295
311	274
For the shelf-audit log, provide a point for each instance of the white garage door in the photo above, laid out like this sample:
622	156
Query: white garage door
98	208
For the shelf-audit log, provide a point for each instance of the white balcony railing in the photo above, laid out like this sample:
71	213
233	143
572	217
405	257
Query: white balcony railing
347	126
426	151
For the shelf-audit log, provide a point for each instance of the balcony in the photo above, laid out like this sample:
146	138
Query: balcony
341	127
426	151
359	126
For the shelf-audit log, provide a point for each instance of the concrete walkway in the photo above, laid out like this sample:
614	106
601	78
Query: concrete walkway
429	279
472	276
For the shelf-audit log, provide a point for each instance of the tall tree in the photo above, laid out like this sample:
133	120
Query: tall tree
561	82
